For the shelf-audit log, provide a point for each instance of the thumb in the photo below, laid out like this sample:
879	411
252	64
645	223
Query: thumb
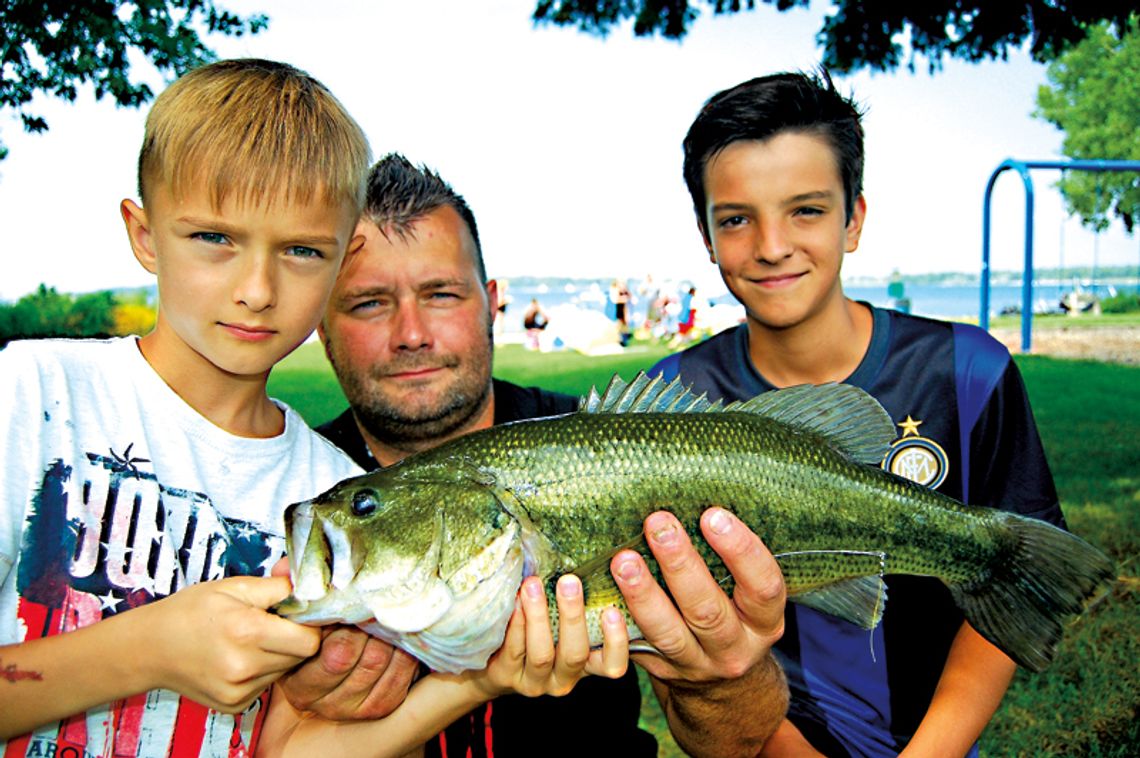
281	568
258	591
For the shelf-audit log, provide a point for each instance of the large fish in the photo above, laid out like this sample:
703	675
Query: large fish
429	553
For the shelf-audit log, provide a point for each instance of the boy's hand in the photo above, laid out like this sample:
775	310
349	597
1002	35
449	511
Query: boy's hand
218	645
529	662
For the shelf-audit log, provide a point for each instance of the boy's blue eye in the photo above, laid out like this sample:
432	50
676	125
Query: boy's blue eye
214	238
299	251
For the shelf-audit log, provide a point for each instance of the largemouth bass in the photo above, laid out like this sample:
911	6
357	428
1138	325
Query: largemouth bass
429	553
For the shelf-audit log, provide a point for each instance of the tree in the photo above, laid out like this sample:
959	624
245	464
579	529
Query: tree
49	313
54	47
860	34
1093	96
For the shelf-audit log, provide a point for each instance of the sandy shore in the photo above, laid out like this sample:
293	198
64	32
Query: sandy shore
1112	344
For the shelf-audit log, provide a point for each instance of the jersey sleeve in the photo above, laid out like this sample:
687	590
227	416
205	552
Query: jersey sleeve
1008	465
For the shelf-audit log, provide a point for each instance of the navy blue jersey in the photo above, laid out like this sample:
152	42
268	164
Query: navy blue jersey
514	725
965	429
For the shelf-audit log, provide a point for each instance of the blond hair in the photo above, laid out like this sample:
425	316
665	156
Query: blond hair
256	131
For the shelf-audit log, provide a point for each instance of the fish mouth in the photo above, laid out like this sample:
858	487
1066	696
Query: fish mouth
319	560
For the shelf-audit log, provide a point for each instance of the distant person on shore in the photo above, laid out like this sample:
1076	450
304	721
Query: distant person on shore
775	170
649	292
535	321
621	303
687	318
408	333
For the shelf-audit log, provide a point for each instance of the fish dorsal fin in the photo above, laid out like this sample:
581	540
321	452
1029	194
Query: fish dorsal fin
646	395
846	416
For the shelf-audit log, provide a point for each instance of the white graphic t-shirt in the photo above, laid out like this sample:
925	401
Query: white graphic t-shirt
116	493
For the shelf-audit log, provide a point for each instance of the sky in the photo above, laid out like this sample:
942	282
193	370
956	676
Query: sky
567	146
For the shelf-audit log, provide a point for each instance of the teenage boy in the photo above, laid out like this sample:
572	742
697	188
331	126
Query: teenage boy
408	331
137	469
774	167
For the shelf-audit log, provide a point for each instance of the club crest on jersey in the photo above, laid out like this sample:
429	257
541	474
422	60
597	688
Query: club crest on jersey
917	458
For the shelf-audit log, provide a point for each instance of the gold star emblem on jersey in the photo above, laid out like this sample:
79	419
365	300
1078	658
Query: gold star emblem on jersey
917	458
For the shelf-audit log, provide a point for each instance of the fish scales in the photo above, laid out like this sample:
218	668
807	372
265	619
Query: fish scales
592	479
429	553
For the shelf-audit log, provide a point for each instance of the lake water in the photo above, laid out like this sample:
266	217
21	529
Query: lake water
938	301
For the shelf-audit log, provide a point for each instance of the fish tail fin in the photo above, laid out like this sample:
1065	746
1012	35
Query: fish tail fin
1047	576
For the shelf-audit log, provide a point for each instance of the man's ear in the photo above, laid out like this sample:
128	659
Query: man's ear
493	297
138	231
855	225
355	244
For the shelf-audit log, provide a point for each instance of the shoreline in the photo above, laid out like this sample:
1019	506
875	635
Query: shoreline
1108	344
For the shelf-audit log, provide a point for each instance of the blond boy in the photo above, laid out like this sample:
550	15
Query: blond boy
144	480
135	470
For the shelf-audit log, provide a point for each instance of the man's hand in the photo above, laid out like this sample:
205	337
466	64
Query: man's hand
718	684
354	676
706	636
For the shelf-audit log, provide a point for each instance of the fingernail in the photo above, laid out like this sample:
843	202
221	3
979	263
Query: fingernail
720	522
628	570
533	588
666	534
611	617
569	586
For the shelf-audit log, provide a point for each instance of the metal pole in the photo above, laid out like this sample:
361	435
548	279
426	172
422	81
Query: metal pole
1023	168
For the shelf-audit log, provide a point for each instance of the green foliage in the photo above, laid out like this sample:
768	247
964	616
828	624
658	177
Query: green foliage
1087	702
1093	96
1124	302
54	48
879	36
47	313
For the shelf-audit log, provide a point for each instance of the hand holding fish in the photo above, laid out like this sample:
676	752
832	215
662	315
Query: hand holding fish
706	636
223	648
531	663
353	676
714	664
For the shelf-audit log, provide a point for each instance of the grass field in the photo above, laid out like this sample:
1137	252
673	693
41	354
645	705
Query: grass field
1089	416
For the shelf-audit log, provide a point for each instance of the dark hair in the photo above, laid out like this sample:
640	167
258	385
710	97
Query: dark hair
399	194
766	106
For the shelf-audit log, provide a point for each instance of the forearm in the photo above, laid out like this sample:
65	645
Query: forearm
729	717
432	703
48	679
969	691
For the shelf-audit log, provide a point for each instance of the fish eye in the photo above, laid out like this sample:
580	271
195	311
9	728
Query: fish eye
364	502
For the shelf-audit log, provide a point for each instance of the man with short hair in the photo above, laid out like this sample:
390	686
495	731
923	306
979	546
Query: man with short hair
409	333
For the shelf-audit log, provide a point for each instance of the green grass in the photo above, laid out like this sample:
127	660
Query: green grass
1060	320
1088	413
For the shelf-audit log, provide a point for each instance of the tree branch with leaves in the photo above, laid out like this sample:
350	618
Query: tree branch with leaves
1093	96
54	47
882	36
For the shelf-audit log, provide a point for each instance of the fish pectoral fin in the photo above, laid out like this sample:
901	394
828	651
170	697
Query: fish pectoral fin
641	646
844	583
598	585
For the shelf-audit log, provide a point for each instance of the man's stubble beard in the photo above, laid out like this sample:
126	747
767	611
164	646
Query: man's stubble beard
402	427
